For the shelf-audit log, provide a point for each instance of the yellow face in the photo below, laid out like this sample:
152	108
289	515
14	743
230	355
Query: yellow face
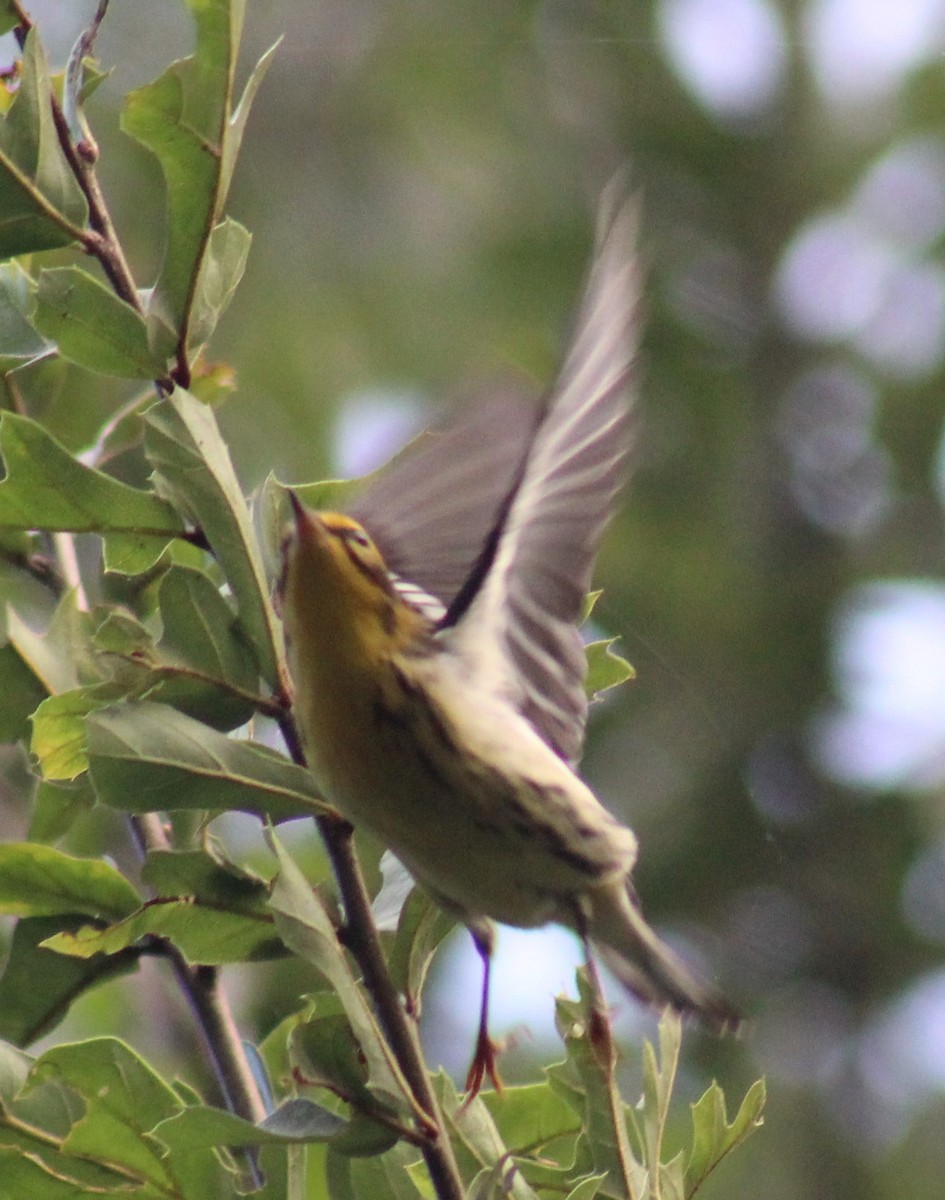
334	579
350	546
339	545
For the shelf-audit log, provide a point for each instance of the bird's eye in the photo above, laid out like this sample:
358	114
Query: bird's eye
360	538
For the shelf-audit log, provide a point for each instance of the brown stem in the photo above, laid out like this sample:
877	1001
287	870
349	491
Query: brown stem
101	239
24	22
103	243
210	1005
364	943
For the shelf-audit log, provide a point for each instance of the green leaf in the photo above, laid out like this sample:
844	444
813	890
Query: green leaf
529	1117
118	634
38	987
301	1120
46	1108
124	1100
479	1146
18	338
659	1077
387	1175
186	117
14	1069
294	1123
41	203
57	806
147	757
326	1054
397	884
200	664
233	134
59	730
33	1137
421	928
206	875
9	16
93	327
192	464
713	1137
220	272
93	76
297	1120
206	935
604	668
20	695
500	1178
588	1188
54	1177
203	641
306	928
324	1050
37	880
585	1083
52	656
46	488
211	909
132	554
590	603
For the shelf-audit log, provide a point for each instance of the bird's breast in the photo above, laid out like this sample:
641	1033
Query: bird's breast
453	780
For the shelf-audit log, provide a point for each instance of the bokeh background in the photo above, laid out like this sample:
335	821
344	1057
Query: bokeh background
420	177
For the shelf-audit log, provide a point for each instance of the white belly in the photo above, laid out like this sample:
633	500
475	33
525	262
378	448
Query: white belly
504	829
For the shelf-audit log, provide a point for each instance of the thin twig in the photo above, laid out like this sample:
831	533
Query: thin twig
210	1006
24	22
103	243
101	240
79	131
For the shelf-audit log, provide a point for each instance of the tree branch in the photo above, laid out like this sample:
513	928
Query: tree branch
364	943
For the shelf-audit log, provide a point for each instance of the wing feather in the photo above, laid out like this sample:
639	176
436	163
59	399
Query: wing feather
499	515
540	570
432	511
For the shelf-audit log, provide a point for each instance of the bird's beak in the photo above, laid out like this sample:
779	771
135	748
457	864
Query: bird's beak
309	526
298	508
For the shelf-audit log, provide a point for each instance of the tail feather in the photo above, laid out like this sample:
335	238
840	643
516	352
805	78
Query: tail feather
648	968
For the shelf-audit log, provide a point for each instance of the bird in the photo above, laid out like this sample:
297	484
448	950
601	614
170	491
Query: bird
432	640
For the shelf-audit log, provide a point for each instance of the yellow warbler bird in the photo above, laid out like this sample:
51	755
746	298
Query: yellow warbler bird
437	666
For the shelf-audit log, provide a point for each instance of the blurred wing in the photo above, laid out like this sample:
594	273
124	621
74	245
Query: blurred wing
432	510
530	582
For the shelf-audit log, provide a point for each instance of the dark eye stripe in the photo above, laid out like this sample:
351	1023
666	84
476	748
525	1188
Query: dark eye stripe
354	540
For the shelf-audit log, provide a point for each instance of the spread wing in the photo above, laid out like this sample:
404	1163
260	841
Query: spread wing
490	525
530	580
431	512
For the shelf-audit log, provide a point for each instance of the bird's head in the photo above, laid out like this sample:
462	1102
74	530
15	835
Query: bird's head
335	586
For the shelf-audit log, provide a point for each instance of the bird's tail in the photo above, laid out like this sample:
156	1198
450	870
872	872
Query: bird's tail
648	968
